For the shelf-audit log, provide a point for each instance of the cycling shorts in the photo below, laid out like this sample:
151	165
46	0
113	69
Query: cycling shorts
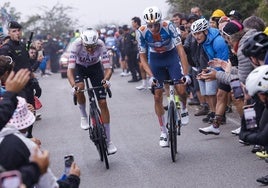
166	66
95	74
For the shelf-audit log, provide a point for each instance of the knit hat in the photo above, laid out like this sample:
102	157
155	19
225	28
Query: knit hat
235	14
22	117
218	13
232	27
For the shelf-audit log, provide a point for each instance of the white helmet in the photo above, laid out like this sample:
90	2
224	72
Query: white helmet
199	25
152	15
89	37
257	80
110	32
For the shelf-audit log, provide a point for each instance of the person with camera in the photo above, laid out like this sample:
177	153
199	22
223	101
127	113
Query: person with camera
89	58
257	86
16	151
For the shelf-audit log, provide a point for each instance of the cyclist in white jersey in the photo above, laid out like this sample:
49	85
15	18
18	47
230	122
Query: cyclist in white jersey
89	58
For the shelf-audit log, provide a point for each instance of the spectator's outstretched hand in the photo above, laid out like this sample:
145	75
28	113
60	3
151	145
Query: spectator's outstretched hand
16	82
75	170
41	159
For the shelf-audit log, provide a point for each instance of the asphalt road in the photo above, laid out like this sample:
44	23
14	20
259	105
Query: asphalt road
202	161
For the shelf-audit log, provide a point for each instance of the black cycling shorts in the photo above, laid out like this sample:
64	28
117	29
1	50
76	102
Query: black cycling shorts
95	74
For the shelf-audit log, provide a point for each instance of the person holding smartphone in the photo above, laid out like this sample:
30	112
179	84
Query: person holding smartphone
17	151
257	86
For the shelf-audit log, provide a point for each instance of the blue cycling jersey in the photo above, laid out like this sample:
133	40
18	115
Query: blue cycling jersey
165	40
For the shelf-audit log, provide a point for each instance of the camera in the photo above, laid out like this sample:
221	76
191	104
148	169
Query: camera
68	160
10	179
250	117
237	89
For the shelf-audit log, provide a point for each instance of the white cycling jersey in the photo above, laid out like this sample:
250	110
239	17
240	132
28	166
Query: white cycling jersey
79	55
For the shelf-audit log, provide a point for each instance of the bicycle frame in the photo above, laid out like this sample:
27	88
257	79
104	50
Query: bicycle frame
96	130
173	120
172	99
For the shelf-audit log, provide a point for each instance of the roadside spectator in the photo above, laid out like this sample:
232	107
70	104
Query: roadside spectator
13	85
197	11
257	86
16	149
136	23
215	17
235	15
215	47
131	51
18	52
197	59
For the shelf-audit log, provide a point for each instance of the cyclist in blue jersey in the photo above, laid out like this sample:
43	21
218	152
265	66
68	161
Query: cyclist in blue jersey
167	61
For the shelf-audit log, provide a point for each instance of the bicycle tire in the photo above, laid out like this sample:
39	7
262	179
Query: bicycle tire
102	142
104	147
172	131
97	134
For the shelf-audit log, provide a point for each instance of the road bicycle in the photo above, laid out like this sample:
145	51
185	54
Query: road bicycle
173	120
96	129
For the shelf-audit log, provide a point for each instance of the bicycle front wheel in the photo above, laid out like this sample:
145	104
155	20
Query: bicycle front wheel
102	146
172	131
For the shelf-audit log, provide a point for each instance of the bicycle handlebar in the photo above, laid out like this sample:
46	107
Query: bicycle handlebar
170	82
108	90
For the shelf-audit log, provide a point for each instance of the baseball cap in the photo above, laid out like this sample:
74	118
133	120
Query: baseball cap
235	14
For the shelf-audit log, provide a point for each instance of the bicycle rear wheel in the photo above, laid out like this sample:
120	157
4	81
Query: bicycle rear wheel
172	131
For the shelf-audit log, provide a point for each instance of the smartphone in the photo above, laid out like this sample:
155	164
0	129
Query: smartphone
10	179
237	89
68	160
250	116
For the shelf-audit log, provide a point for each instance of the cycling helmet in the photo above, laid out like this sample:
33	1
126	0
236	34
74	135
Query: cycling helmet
256	45
257	80
110	32
199	25
89	37
152	15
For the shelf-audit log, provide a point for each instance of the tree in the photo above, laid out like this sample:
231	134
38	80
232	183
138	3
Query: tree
56	21
7	13
246	8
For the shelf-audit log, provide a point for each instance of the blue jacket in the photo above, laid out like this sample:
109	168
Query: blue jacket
215	45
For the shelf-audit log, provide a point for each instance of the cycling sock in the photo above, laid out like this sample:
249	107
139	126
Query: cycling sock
107	131
162	123
177	99
82	108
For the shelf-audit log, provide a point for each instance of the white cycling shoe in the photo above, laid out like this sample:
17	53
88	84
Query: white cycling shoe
84	123
163	142
184	116
111	148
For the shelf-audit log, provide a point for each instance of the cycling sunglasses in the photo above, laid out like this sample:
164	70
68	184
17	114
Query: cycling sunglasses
155	25
90	46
